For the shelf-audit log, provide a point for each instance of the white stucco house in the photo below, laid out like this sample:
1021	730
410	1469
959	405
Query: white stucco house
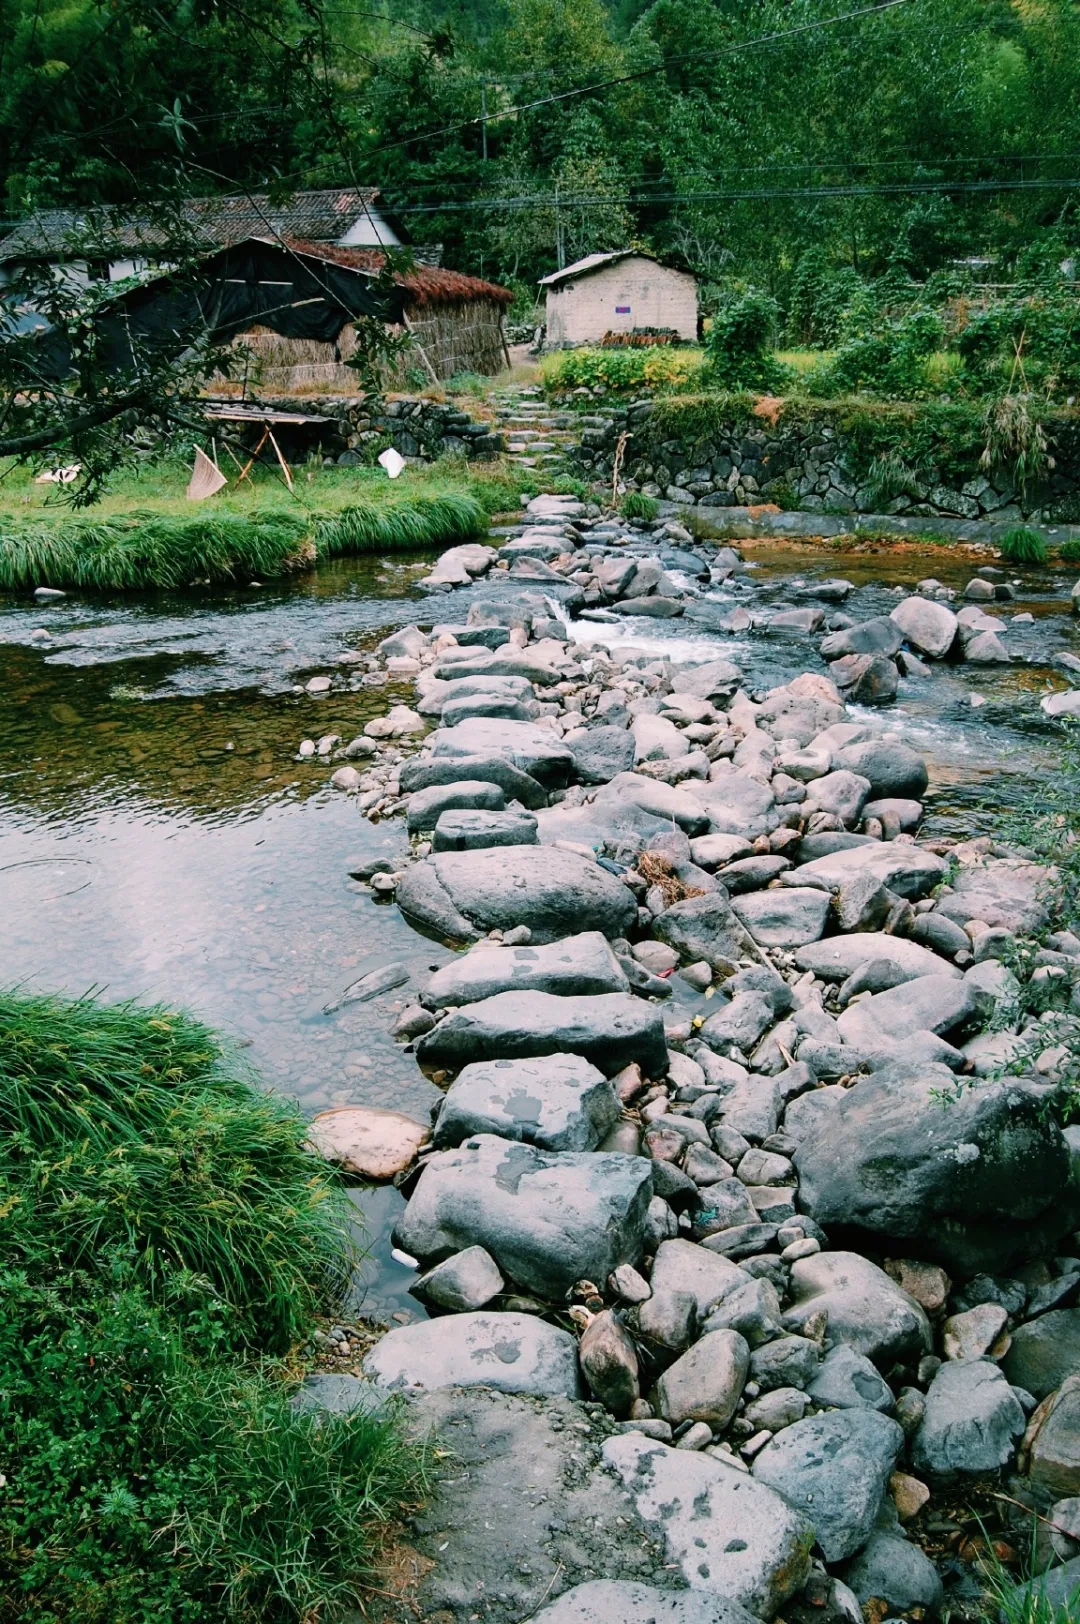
620	292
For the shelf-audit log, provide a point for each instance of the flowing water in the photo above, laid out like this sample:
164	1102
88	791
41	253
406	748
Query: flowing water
160	840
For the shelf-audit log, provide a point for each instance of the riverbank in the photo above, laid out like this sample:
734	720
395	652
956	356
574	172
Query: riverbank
169	1242
145	535
755	1092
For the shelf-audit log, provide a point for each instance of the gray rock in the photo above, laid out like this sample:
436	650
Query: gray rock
908	870
941	1004
705	928
750	873
464	1282
609	1362
575	965
866	1309
972	1421
680	1266
554	893
737	804
1052	1596
726	1533
1044	1352
337	1393
621	1601
422	772
556	1101
514	1353
715	680
790	1361
774	1411
1001	892
424	807
866	679
834	1468
706	1383
891	767
601	753
611	1029
753	1310
740	1024
847	1380
878	636
786	715
474	831
840	956
928	627
667	1322
894	1571
548	1219
842	793
784	918
467	706
660	800
975	1183
536	750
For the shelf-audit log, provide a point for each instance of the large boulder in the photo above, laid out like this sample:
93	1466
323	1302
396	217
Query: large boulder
974	1177
535	749
737	804
706	1383
928	1004
971	1424
579	965
514	1353
797	716
681	1266
715	680
1001	891
878	636
840	956
477	830
610	1029
905	869
600	753
894	1570
426	806
725	1532
835	1469
1052	1442
659	799
892	768
867	1311
548	1219
927	626
556	1101
1045	1352
463	895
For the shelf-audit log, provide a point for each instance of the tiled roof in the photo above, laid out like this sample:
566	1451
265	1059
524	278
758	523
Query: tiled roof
591	262
426	284
220	221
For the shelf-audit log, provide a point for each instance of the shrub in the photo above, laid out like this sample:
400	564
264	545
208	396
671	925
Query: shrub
636	505
738	345
659	366
1023	546
1069	551
1016	439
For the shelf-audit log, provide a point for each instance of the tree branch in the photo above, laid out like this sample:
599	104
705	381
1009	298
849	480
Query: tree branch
57	433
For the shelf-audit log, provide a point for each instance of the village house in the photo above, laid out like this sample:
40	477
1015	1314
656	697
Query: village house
623	292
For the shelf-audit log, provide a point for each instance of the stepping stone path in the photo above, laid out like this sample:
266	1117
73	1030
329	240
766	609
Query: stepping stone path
709	1061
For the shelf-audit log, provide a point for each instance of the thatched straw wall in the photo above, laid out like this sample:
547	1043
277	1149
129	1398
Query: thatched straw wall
464	337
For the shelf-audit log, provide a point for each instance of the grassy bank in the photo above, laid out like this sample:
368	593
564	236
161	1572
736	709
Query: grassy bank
145	534
167	1240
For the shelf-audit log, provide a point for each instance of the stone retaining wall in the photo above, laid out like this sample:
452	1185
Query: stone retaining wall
807	464
414	426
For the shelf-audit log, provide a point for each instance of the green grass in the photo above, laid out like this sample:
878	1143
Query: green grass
145	534
636	505
1023	546
1069	551
164	1234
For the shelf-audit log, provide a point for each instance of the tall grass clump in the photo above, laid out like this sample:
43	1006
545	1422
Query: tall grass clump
144	548
636	505
1022	545
412	521
164	1232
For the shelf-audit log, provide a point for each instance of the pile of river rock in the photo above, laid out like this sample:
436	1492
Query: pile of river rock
727	1139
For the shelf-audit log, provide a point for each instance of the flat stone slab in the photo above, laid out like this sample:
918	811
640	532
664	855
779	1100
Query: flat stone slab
610	1029
558	1101
426	806
575	965
784	917
840	956
620	1601
555	893
464	830
1001	891
514	1353
535	749
367	1140
424	771
664	801
907	870
725	1532
927	1004
835	1468
548	1219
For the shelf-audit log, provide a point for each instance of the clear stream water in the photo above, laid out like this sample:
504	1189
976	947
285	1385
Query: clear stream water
159	840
